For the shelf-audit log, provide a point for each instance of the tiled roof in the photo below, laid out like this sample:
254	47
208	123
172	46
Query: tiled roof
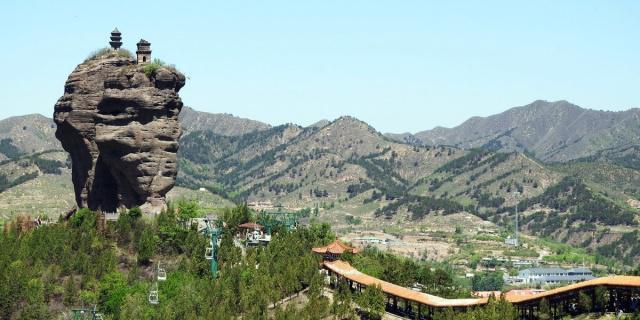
250	225
623	281
346	270
336	247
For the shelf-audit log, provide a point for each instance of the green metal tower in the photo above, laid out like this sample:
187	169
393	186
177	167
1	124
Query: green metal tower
270	220
213	231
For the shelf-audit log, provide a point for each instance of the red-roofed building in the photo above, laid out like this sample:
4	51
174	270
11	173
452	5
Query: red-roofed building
333	250
250	226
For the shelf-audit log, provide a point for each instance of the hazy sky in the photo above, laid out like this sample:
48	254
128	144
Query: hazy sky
399	65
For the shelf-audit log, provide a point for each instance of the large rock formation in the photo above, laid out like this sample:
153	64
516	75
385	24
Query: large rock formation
120	126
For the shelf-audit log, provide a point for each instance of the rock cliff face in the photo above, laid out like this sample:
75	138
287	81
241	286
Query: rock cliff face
121	128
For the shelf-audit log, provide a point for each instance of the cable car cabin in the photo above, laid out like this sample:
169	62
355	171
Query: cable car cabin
84	313
162	274
265	239
153	297
257	237
208	253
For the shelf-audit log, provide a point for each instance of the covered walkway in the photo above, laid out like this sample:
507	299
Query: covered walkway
622	292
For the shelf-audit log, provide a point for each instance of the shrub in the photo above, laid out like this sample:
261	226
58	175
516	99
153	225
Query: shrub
151	68
135	213
146	246
109	52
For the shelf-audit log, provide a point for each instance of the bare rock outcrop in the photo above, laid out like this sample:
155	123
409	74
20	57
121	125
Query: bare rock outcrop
120	126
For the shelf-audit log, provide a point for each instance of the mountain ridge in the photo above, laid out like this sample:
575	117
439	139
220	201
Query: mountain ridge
554	131
347	167
222	123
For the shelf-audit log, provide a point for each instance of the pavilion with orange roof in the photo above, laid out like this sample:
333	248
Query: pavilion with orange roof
334	250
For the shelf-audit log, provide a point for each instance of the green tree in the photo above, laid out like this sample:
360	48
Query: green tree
146	246
487	281
544	313
35	312
584	302
601	299
135	213
124	228
187	209
342	307
372	301
135	306
70	291
35	292
318	304
134	274
113	289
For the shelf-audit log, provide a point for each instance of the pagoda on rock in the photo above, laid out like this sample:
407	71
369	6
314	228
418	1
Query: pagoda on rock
116	39
144	52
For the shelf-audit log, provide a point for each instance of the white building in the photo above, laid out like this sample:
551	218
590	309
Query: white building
544	276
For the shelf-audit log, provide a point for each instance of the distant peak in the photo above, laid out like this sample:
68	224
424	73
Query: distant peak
320	124
545	103
352	123
348	119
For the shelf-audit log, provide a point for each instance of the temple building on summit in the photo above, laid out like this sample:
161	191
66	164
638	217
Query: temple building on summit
116	39
334	250
144	51
143	54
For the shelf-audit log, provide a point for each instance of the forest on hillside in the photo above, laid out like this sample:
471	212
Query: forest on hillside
47	271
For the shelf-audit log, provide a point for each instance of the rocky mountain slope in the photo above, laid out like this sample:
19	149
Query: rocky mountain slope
300	165
346	168
220	123
553	131
27	134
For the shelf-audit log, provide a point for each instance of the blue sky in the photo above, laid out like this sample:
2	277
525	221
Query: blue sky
398	65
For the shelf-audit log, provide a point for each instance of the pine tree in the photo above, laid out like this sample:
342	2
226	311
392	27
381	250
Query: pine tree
544	313
342	304
146	246
584	302
70	291
601	299
372	300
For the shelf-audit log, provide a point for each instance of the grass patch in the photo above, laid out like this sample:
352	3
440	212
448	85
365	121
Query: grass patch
109	52
151	68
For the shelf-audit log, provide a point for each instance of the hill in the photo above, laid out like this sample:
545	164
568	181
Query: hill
300	166
553	131
347	168
27	134
221	123
348	171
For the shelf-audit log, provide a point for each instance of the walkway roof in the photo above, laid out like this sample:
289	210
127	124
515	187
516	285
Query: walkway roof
346	270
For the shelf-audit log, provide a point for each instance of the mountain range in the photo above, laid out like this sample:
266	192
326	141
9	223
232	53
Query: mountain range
552	131
573	172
